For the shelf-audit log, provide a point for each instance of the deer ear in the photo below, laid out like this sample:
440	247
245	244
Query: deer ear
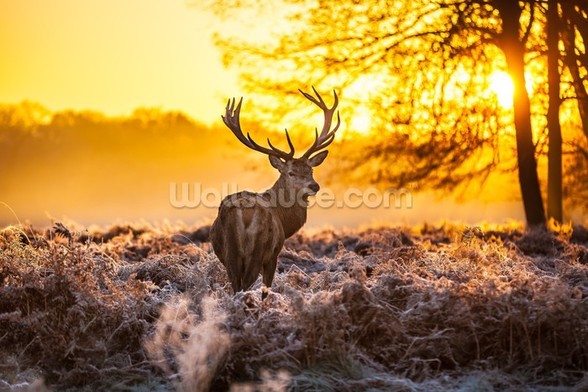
318	159
277	162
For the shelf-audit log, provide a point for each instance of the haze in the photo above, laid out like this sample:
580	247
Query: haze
112	57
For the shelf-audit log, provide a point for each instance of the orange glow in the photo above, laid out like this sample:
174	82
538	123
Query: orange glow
362	91
500	83
112	56
361	121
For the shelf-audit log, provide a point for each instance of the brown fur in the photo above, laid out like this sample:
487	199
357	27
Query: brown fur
251	228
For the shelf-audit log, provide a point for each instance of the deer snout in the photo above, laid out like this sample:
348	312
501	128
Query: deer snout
314	186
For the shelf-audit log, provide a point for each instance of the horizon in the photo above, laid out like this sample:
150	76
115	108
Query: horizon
118	59
137	187
86	56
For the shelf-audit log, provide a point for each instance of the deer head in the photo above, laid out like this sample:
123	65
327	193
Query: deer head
296	174
249	232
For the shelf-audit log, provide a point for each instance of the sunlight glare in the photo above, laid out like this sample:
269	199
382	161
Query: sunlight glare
361	120
363	90
500	83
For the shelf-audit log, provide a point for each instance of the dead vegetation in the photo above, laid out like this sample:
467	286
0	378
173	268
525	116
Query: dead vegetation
434	308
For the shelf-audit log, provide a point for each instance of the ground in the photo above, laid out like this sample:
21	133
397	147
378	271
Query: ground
430	308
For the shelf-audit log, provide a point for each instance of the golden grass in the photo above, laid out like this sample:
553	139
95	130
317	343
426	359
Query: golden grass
407	309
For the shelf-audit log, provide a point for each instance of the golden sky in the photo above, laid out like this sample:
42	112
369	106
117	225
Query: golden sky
112	56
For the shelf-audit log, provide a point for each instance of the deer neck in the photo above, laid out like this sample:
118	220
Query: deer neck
289	207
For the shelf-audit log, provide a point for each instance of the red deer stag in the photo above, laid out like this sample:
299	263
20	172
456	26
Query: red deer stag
251	228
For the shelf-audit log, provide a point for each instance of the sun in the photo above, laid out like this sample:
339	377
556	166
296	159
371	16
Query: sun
361	121
500	83
363	91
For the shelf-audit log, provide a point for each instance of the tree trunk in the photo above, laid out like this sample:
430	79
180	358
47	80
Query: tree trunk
554	165
572	19
514	52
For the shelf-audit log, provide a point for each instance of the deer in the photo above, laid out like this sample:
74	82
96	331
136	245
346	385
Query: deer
251	228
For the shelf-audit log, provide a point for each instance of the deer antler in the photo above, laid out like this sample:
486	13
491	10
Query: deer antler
231	120
326	136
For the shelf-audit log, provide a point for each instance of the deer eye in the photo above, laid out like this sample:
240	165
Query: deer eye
291	174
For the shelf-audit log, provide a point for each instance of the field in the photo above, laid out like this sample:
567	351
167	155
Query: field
433	308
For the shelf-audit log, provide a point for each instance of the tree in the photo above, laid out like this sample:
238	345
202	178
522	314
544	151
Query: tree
554	175
575	37
513	46
431	61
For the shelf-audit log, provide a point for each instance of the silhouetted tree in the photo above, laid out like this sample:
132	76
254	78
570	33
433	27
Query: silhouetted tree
512	43
554	155
575	39
574	35
430	61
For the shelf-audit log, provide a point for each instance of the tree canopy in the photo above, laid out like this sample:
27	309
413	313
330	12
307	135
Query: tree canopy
421	72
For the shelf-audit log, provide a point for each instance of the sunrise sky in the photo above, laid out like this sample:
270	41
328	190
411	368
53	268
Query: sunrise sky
112	56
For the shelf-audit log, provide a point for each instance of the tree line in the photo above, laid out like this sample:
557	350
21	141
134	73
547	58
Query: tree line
434	122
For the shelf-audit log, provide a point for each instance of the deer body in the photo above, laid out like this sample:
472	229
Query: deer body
250	229
247	239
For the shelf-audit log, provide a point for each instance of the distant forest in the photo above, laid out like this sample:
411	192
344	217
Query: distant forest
59	162
89	167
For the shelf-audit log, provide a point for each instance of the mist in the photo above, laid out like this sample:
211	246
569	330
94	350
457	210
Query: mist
90	169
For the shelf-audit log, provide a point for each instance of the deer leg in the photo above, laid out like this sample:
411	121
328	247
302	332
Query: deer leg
233	262
250	272
235	283
234	273
269	269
